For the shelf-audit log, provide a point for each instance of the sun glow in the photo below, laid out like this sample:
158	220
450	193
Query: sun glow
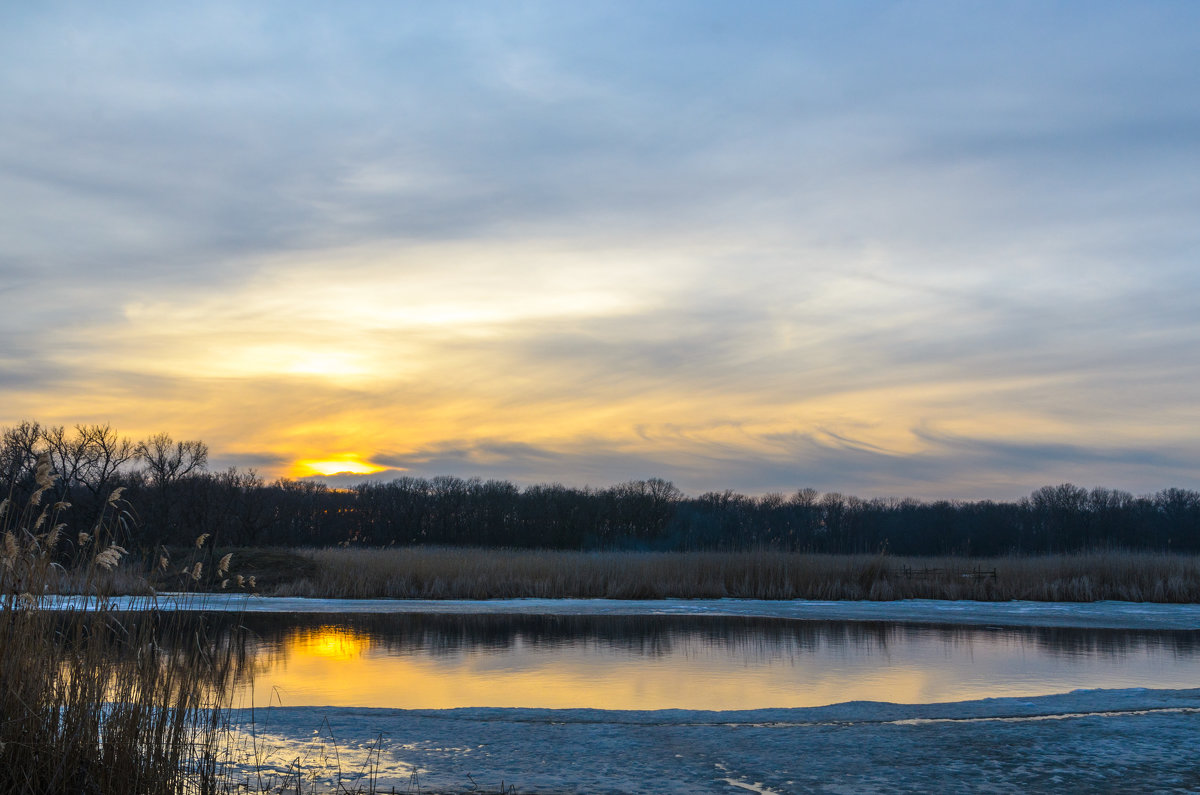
335	466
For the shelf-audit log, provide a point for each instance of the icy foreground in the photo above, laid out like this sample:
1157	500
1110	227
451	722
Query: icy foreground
1086	741
1083	615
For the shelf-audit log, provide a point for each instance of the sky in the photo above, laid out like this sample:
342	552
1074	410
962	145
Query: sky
931	249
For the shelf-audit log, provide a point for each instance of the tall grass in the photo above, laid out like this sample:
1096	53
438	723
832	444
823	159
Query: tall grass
466	573
91	700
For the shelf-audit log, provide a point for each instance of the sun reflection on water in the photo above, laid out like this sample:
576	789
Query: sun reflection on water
329	643
441	663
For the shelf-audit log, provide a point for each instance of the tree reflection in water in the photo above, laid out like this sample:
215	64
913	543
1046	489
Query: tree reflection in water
694	662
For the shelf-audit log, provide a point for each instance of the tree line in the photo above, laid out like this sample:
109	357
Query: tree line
173	497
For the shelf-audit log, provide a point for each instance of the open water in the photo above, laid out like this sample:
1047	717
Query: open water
686	662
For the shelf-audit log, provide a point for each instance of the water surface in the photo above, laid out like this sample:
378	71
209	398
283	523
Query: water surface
680	662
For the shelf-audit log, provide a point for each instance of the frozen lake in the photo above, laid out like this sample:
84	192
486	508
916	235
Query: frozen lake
719	696
693	662
1089	741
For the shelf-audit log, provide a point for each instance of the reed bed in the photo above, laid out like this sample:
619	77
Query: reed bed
472	573
95	701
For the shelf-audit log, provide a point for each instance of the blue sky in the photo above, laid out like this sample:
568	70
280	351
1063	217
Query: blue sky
929	249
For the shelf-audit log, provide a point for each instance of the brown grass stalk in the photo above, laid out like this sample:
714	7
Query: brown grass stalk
469	573
94	701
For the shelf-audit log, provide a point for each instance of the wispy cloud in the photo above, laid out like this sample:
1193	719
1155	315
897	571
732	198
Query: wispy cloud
920	248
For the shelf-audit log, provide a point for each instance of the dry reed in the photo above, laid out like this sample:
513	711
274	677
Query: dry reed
94	701
470	573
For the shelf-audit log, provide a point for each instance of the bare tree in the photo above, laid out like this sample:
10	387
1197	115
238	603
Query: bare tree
107	453
18	454
68	455
167	460
805	498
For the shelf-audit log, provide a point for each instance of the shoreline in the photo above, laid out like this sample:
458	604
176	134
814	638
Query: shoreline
1151	616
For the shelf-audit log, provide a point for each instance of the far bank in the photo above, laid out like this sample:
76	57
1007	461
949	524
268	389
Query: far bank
479	573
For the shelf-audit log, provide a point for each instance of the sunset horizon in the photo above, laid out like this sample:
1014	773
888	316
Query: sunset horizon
655	397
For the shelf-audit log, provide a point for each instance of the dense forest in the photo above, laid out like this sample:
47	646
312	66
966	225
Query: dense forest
169	497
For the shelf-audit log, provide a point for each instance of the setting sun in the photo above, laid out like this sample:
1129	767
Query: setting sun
335	466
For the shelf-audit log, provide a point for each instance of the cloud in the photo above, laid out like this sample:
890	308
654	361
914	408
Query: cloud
787	462
566	231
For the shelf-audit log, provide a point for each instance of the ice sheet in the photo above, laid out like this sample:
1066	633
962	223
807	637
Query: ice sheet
1096	740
